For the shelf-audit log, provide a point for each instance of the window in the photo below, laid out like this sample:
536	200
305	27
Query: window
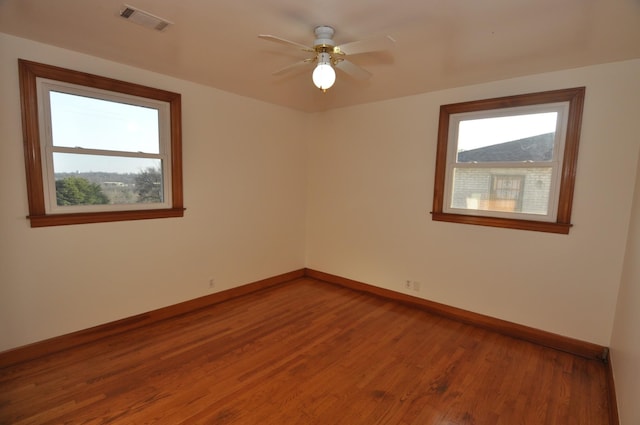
506	193
98	149
509	162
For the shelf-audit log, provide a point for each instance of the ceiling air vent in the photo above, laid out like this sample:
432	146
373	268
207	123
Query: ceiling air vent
143	18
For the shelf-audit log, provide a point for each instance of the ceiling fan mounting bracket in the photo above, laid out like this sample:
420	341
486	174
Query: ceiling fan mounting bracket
324	32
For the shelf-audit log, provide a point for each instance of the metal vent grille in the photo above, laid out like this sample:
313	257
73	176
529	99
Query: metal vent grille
143	18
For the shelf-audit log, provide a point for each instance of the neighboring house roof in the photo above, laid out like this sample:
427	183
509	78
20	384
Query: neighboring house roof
536	148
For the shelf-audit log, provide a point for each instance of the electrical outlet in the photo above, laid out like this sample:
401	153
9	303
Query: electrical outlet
412	285
212	283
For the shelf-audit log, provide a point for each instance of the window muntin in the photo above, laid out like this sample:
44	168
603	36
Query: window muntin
539	165
138	134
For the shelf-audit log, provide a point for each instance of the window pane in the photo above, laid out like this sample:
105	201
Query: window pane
95	179
519	190
79	121
514	138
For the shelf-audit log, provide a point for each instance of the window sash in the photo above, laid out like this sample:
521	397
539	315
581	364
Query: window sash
560	108
48	148
524	171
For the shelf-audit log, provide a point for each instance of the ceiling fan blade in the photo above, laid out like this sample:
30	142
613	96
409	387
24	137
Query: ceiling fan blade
294	66
353	70
368	45
287	42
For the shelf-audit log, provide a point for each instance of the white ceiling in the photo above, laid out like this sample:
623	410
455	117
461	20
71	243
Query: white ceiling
439	43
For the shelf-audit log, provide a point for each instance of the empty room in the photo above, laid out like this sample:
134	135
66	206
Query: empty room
323	212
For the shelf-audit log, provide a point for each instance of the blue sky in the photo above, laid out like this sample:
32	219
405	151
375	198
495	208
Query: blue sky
95	124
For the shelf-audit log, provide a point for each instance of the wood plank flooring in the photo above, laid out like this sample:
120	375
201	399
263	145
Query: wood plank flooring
306	352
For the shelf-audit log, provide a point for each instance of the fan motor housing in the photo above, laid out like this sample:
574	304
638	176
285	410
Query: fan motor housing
324	39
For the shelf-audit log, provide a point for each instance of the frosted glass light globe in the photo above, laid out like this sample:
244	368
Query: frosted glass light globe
324	76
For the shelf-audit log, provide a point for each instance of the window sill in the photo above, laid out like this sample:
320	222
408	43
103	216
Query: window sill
102	217
506	223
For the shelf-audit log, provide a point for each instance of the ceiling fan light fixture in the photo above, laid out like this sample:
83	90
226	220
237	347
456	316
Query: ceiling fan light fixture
324	75
328	56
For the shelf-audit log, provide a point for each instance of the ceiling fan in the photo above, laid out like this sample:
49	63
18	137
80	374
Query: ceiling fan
329	56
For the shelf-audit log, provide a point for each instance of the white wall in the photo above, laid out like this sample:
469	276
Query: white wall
371	190
244	190
367	183
625	342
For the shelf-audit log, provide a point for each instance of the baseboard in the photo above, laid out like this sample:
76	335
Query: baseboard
566	344
64	342
570	345
614	418
547	339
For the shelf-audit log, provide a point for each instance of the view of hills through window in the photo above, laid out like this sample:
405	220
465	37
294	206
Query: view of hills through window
99	187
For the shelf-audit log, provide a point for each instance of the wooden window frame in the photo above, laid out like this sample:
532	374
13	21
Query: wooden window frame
29	72
562	223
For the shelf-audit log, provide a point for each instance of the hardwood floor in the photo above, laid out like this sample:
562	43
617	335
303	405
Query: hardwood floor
306	352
